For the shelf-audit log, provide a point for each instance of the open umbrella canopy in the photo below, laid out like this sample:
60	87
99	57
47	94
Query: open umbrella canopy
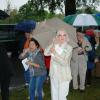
83	20
98	14
26	26
3	14
46	31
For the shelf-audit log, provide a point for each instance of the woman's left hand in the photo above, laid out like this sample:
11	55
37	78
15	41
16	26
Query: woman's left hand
28	63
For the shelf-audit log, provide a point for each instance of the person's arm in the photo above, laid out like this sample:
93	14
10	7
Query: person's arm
38	61
51	48
86	45
65	58
23	54
33	64
47	51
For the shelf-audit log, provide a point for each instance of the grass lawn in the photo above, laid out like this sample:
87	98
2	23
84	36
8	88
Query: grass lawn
91	93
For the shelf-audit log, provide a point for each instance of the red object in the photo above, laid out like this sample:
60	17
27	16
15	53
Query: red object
47	61
90	32
26	44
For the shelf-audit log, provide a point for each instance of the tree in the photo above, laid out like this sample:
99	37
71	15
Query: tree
87	3
87	6
52	6
33	9
40	10
70	7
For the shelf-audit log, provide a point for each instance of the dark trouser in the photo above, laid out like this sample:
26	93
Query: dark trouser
88	77
4	84
27	76
47	72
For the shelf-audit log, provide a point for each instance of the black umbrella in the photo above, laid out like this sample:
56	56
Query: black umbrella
3	14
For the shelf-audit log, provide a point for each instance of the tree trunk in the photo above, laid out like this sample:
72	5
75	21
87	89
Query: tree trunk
70	7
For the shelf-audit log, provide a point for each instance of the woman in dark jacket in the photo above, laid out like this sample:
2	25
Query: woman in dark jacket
5	73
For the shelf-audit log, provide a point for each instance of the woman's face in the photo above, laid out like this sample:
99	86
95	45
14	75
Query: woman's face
61	36
79	37
32	46
27	35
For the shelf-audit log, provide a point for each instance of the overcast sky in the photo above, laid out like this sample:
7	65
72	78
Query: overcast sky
14	3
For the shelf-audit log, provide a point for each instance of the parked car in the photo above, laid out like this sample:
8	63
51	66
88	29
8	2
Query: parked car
8	38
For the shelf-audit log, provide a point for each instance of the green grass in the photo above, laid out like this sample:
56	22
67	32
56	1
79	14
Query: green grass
91	93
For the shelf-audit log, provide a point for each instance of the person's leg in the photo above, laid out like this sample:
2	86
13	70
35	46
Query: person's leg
82	72
88	77
63	90
74	71
27	77
5	88
32	87
39	81
47	77
54	89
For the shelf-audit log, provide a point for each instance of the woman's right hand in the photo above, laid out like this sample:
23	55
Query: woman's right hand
23	53
56	40
26	50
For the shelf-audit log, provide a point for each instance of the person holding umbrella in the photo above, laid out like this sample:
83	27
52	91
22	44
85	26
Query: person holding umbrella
24	44
26	28
60	73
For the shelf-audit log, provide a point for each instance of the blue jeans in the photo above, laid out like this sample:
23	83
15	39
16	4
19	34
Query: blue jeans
36	84
27	76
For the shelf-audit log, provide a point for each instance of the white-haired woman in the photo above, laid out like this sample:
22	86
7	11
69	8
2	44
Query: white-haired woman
60	73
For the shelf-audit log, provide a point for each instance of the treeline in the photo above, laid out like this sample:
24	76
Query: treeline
40	10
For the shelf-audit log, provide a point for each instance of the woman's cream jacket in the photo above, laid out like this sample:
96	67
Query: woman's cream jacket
60	62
